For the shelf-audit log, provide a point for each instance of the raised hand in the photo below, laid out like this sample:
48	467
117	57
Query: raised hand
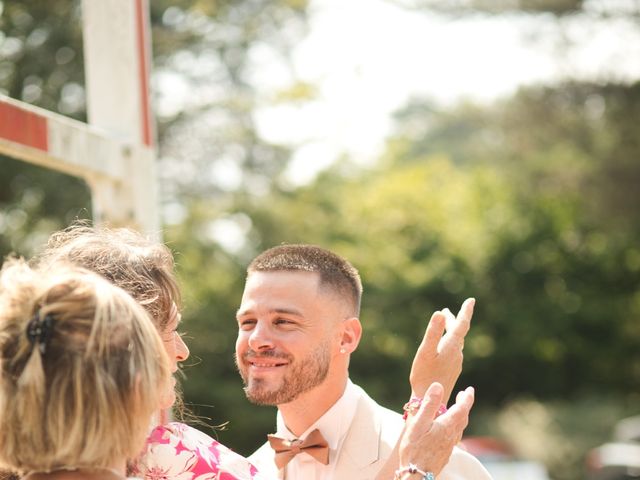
427	442
439	357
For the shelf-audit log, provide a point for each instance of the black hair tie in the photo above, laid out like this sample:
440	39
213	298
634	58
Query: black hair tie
40	331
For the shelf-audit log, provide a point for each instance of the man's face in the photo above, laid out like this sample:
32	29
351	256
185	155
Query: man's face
286	335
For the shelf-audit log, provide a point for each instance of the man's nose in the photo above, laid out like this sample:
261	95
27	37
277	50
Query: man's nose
261	338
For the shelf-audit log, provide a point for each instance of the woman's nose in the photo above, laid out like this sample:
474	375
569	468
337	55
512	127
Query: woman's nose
182	351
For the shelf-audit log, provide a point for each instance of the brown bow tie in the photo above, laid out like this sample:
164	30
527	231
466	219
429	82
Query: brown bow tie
315	445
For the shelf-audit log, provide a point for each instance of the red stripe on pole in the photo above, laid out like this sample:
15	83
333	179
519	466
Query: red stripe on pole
143	59
24	127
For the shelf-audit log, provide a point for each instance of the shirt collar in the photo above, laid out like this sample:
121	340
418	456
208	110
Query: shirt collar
334	424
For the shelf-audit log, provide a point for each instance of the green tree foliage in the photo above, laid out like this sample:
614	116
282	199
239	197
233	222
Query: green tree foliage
562	8
528	204
560	283
40	63
41	54
510	203
26	217
212	50
207	47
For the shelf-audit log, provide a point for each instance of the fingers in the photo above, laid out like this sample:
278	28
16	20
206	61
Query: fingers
458	327
429	407
432	400
450	319
464	399
429	443
459	411
434	332
425	366
456	419
464	318
439	357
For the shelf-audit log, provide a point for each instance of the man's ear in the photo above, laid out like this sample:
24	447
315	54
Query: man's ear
351	334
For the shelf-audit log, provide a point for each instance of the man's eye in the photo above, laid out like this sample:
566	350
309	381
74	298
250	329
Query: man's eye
246	324
283	321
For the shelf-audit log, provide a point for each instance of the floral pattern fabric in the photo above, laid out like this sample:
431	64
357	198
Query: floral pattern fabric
178	452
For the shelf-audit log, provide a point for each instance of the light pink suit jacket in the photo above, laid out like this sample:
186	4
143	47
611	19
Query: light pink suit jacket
369	443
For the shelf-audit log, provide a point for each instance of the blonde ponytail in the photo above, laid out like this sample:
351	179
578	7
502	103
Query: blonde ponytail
81	370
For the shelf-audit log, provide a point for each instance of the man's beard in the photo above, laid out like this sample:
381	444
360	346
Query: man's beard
302	376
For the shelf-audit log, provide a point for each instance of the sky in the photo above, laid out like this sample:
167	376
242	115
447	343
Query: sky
368	57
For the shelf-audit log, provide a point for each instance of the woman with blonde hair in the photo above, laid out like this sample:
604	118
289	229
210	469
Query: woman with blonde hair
82	369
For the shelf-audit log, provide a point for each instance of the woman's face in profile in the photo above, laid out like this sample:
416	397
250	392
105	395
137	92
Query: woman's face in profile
176	349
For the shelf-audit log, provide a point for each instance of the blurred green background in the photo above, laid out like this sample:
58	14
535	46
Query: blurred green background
528	203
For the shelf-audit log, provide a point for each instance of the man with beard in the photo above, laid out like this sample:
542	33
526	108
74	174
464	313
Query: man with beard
298	324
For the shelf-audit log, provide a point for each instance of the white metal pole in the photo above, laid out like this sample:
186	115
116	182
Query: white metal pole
117	64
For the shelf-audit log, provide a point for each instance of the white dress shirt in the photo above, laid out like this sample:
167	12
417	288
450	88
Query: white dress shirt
333	425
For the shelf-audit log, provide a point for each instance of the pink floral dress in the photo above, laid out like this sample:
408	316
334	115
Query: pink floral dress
178	452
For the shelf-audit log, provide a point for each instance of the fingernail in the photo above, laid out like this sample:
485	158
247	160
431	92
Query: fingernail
434	390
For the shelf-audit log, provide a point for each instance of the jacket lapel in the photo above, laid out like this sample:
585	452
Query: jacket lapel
360	451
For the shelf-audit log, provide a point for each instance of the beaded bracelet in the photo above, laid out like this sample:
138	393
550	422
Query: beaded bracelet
413	405
411	469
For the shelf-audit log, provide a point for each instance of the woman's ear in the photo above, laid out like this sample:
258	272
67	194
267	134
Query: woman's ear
351	334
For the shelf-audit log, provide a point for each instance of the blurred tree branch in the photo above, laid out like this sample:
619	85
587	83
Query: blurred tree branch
604	9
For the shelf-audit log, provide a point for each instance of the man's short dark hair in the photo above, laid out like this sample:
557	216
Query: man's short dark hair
335	272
